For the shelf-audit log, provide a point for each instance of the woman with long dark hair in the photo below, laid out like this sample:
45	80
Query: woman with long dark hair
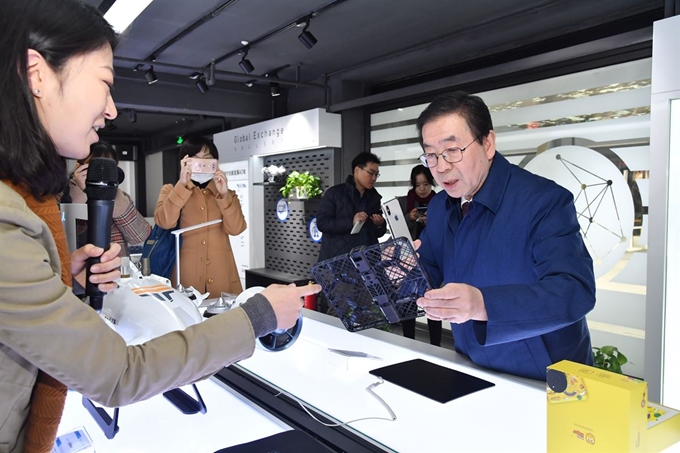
56	72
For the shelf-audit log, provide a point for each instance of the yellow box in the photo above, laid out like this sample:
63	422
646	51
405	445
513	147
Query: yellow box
663	427
598	411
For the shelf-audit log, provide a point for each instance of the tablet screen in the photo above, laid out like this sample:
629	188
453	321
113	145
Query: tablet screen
431	380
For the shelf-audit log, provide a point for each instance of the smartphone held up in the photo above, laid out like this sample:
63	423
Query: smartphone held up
202	165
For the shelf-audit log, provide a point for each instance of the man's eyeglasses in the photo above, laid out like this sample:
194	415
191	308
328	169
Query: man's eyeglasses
450	155
371	173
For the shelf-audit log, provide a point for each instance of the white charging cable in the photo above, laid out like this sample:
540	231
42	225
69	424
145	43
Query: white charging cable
369	389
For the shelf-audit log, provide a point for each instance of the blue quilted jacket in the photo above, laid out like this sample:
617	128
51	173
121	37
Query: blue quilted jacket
521	246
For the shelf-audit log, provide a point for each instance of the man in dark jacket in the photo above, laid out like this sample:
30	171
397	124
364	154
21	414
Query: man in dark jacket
343	205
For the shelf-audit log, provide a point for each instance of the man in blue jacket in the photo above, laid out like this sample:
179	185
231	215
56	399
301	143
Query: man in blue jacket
514	277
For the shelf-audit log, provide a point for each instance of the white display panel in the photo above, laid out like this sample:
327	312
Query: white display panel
671	361
237	180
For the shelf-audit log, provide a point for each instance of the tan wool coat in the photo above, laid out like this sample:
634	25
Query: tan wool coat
206	258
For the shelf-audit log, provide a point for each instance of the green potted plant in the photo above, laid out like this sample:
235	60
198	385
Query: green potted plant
609	358
301	185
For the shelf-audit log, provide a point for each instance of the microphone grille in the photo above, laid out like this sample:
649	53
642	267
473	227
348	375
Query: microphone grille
102	179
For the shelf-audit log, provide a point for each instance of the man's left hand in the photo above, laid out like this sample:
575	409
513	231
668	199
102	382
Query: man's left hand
455	302
105	274
377	219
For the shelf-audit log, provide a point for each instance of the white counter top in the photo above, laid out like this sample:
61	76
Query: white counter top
157	426
511	416
507	417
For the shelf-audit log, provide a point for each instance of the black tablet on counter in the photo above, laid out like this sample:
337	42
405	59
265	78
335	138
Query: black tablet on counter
431	380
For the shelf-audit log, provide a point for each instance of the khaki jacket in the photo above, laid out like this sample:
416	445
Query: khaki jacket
206	259
44	326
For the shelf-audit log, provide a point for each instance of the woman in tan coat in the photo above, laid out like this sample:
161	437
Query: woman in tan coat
206	259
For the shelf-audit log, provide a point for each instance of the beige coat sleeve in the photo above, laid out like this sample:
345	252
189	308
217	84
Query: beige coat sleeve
233	221
45	324
171	200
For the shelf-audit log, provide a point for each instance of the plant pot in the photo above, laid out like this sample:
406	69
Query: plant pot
300	193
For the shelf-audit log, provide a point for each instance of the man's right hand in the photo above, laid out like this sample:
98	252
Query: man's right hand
359	217
454	302
287	301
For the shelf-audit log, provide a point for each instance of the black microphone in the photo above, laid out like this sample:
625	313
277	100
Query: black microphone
101	186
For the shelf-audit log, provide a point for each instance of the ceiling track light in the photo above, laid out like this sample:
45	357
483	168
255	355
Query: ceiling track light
132	116
307	38
201	85
245	64
150	76
250	83
211	74
274	89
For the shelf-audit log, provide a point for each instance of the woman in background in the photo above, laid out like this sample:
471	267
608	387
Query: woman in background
129	225
414	206
206	259
55	80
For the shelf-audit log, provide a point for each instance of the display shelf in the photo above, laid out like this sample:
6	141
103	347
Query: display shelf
272	184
